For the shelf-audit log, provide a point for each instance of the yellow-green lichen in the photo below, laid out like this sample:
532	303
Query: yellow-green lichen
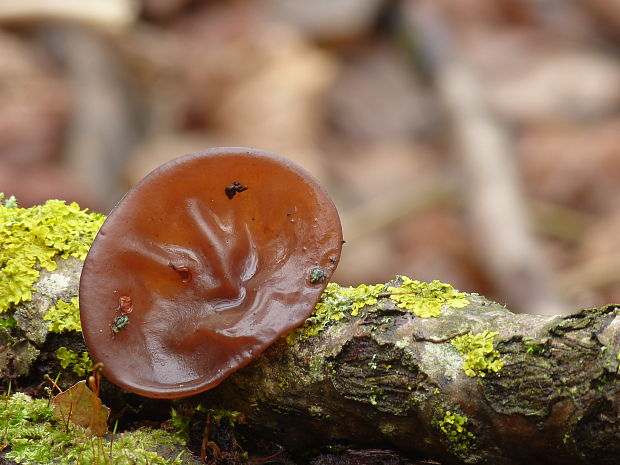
426	300
64	316
30	434
453	426
480	354
336	303
80	364
30	238
423	299
337	300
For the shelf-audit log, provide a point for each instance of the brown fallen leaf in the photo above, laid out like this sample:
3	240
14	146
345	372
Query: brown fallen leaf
80	406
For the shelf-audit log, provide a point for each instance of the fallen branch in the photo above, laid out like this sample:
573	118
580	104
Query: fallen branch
476	384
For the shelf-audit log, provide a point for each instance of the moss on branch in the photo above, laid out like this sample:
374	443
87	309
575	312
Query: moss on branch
383	365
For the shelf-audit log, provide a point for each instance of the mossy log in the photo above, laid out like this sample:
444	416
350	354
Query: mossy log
476	384
389	379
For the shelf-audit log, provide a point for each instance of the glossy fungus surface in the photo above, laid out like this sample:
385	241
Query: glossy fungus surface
202	265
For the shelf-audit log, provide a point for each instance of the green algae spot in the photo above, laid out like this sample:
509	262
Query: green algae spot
30	238
64	316
480	355
453	426
80	364
336	303
426	300
32	435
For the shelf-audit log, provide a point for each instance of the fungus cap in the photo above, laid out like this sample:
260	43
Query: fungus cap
202	265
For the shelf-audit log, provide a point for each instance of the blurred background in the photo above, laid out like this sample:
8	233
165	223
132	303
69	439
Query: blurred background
472	141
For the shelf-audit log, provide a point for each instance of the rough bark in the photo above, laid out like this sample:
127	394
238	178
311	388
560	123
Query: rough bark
386	378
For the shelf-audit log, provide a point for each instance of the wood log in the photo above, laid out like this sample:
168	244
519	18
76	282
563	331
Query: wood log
389	379
476	384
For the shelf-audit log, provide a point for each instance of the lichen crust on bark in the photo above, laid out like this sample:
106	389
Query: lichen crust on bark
388	377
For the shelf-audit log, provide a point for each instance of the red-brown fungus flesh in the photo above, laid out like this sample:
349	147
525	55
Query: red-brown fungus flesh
202	265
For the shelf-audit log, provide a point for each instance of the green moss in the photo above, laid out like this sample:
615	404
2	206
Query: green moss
7	321
534	347
453	426
283	383
336	303
64	316
30	239
181	422
480	355
229	416
32	436
80	364
426	300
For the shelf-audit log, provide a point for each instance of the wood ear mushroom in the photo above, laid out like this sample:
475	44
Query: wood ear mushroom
211	254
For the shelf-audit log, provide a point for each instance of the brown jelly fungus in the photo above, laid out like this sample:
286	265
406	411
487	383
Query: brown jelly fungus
210	282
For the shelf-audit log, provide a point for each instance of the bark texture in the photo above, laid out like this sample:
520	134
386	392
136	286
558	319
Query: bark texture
387	378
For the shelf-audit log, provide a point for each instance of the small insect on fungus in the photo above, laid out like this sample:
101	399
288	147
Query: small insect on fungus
119	323
233	189
124	307
317	275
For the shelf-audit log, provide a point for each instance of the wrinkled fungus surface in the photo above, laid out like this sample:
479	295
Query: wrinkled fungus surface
186	282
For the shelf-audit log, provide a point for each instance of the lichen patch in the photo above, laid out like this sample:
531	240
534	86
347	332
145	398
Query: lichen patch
31	238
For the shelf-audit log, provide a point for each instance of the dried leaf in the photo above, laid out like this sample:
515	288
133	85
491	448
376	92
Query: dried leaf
81	406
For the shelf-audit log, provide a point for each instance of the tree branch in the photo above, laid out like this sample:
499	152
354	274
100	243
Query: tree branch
545	390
